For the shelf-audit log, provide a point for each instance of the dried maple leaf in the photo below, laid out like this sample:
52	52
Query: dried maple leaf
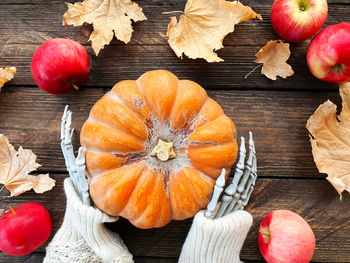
15	167
106	16
274	56
203	26
330	140
6	74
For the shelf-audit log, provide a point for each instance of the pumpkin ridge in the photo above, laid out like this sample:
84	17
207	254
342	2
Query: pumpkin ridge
136	218
138	180
132	193
188	121
224	147
204	120
208	177
213	142
180	208
176	96
146	96
101	137
209	121
190	189
94	157
116	98
110	190
192	125
93	119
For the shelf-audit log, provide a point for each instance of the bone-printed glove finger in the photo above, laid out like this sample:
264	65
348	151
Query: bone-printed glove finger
216	240
85	225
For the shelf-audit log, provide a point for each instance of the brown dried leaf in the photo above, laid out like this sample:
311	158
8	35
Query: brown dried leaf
2	212
203	26
15	167
106	16
6	74
274	56
331	140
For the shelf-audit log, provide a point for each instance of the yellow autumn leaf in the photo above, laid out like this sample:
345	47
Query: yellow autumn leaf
108	17
273	56
330	140
203	26
15	167
6	74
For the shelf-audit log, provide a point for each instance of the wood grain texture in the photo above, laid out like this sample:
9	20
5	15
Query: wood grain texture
315	200
276	111
21	32
31	118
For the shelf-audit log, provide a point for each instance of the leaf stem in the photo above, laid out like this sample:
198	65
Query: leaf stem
246	76
2	188
172	12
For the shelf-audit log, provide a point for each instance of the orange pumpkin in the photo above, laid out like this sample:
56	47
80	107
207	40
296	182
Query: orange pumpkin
154	148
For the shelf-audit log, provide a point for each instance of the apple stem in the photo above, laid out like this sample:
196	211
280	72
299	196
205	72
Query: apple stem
266	233
246	76
12	210
75	87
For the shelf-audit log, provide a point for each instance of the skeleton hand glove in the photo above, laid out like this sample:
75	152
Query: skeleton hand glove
217	234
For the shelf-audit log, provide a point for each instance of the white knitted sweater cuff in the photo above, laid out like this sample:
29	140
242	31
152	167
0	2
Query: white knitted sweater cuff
216	241
83	236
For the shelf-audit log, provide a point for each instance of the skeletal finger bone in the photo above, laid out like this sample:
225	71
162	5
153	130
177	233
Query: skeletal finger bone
247	183
219	187
232	188
82	184
75	166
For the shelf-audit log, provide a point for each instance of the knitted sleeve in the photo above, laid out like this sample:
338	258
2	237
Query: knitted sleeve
216	241
83	236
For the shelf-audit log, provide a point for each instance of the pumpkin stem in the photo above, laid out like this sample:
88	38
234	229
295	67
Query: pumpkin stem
164	150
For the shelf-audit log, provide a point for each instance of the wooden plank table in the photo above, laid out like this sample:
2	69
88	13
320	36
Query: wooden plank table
276	111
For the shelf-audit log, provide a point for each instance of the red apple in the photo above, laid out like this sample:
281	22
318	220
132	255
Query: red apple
286	237
60	66
297	20
328	56
24	229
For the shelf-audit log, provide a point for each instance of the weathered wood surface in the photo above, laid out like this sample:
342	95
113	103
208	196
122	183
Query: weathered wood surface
277	120
276	111
315	200
22	32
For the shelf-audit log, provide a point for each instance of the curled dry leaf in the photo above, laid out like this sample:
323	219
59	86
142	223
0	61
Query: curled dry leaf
6	74
15	167
274	56
330	140
203	26
106	16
